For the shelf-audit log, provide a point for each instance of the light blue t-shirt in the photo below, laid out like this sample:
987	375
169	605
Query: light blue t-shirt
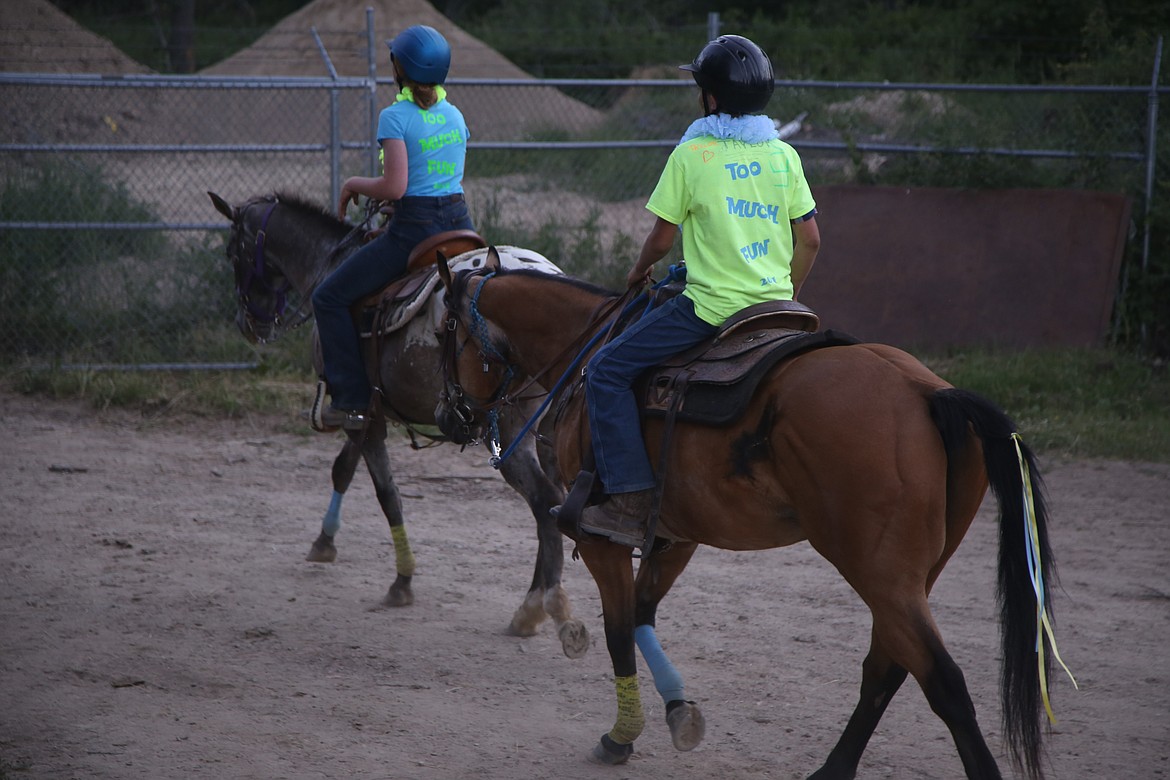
436	143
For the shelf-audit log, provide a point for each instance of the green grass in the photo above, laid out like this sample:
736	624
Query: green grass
1081	403
281	386
1069	403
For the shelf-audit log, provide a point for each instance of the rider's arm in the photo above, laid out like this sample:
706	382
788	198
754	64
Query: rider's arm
391	185
807	241
657	244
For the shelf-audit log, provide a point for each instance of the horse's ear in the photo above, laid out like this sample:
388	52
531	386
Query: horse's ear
492	263
222	206
444	269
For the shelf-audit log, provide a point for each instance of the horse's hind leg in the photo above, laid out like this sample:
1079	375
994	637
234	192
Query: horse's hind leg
880	680
373	448
324	550
905	638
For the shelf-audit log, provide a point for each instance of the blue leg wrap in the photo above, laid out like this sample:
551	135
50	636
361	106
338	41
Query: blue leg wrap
666	678
331	523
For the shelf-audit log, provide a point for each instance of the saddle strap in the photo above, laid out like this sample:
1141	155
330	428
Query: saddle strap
680	383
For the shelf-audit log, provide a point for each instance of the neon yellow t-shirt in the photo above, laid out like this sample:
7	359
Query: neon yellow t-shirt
735	202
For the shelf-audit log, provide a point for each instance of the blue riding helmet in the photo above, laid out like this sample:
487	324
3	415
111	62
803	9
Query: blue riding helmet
424	53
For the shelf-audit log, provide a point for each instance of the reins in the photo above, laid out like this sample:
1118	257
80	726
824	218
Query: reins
582	344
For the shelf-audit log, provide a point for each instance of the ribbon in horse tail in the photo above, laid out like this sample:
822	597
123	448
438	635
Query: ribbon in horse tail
1035	571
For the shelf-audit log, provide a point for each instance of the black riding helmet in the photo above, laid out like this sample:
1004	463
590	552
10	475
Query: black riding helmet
737	72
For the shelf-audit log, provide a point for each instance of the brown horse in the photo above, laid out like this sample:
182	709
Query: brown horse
281	245
860	450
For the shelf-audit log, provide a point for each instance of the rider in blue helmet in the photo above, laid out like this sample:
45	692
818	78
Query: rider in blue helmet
423	143
423	54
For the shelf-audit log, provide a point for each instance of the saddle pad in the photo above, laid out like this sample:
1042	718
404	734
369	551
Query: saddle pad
422	297
718	384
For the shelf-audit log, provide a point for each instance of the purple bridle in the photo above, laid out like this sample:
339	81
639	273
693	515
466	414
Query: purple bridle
255	275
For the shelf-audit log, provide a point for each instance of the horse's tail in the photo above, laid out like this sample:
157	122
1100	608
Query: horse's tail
1026	565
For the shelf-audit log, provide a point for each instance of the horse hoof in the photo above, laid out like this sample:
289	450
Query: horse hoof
399	595
609	753
520	630
687	725
574	638
322	551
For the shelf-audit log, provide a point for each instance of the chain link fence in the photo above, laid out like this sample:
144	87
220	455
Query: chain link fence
112	254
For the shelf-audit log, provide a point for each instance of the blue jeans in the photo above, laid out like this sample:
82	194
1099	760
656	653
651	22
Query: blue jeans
365	272
614	420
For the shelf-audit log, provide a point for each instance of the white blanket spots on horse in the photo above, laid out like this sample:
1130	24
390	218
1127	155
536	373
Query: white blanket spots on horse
430	294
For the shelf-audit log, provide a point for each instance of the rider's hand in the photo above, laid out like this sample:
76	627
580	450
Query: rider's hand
636	278
347	196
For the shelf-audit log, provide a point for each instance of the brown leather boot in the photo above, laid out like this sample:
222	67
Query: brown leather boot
622	518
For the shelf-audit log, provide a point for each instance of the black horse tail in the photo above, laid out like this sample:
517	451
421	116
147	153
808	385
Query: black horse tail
1024	576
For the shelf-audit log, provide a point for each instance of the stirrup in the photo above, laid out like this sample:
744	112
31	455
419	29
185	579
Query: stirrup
316	414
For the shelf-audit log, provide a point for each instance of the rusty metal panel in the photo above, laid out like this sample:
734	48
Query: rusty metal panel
933	268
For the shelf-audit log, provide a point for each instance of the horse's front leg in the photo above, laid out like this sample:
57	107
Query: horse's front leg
656	576
612	570
546	596
373	449
324	550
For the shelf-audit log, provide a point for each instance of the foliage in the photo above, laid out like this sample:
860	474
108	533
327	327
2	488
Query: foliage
62	292
578	249
1112	404
46	277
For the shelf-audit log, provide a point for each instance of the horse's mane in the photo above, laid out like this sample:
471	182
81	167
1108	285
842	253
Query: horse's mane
303	204
571	281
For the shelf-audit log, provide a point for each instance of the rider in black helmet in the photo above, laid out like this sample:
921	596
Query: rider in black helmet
736	73
739	196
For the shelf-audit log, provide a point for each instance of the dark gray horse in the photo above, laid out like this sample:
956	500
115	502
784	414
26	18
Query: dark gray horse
281	244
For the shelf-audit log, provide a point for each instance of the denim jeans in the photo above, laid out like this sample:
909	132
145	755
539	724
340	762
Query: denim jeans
614	420
365	272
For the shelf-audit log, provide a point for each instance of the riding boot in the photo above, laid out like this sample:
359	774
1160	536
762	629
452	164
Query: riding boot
622	517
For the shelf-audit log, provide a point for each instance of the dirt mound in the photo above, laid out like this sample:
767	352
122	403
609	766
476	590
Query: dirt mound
288	49
493	112
37	38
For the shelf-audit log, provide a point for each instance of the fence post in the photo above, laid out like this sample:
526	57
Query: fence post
334	124
1151	151
371	151
712	25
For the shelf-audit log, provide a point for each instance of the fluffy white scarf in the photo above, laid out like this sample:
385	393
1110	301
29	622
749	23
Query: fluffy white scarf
751	129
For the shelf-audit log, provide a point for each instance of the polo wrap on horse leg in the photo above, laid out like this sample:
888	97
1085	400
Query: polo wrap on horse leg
403	555
630	720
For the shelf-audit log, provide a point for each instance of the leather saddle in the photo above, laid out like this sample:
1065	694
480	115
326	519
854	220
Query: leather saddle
713	382
421	262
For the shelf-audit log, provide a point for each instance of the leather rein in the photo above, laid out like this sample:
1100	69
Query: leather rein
464	406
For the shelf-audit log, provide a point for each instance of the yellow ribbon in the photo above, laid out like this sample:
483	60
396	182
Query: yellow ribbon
1035	570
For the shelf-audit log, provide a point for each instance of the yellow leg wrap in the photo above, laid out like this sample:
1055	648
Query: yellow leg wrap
403	555
630	719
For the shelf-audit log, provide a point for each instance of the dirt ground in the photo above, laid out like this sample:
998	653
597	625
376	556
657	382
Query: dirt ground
158	620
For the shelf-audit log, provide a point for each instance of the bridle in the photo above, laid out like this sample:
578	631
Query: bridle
460	409
257	281
457	409
256	275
